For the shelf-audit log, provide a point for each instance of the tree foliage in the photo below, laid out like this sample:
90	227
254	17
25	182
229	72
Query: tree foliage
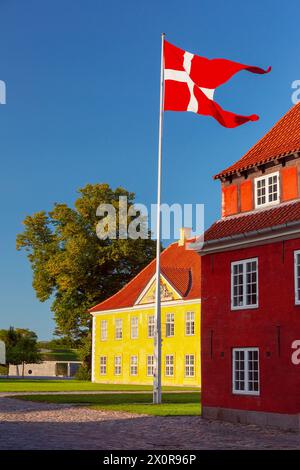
21	346
71	265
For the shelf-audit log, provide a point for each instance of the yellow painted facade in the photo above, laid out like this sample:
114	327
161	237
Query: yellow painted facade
123	341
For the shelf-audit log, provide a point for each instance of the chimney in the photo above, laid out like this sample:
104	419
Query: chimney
185	234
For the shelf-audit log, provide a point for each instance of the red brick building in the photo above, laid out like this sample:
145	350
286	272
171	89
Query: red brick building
251	286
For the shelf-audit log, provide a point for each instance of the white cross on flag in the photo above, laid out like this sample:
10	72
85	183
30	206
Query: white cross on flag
190	82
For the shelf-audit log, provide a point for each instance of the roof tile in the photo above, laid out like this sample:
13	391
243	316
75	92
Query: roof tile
258	220
282	139
181	268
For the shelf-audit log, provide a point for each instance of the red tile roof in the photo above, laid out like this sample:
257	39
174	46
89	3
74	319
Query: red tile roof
179	266
281	140
258	220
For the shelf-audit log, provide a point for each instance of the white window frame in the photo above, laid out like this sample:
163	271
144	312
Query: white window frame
170	325
188	366
134	327
118	328
169	365
134	362
190	323
246	373
244	306
150	365
103	365
118	365
267	192
151	326
296	278
103	330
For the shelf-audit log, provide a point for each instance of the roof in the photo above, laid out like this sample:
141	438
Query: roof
180	267
283	139
252	222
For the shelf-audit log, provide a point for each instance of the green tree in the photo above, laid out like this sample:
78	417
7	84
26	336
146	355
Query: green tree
71	265
21	346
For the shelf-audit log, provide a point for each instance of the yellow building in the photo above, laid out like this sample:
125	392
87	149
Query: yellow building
123	325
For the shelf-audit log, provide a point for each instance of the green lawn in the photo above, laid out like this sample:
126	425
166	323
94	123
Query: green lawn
173	404
27	385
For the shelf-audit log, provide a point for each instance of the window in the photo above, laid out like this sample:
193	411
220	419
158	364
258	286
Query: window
133	365
244	284
189	323
118	365
297	276
134	327
103	362
245	371
267	190
103	329
150	365
189	365
170	324
169	369
151	326
119	329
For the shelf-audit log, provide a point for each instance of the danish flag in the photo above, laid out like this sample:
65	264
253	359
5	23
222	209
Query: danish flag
191	80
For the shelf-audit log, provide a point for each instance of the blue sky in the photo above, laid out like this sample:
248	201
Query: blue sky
82	83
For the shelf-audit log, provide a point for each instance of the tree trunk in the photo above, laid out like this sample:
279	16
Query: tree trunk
23	364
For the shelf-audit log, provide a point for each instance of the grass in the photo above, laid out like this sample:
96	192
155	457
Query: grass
40	385
179	404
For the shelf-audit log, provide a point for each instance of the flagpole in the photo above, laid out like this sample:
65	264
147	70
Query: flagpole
157	333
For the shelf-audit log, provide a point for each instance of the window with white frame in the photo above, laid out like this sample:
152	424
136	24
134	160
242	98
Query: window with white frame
267	190
134	327
190	323
103	330
150	365
133	365
297	276
189	365
169	365
119	328
245	371
170	324
151	326
244	284
118	365
103	365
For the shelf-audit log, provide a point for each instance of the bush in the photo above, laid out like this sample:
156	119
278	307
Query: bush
3	370
83	373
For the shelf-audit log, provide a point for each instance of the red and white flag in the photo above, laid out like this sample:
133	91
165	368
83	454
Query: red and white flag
190	82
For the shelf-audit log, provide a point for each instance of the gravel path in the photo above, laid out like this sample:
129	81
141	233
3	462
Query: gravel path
29	425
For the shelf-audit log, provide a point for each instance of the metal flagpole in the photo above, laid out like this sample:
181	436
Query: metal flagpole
157	333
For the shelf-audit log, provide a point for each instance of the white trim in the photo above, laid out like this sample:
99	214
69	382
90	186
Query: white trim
118	328
169	365
93	348
190	322
244	263
170	303
189	365
104	365
101	330
152	280
151	365
131	365
246	379
265	178
136	326
243	242
296	253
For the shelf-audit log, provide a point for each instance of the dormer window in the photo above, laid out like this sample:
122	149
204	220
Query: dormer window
267	190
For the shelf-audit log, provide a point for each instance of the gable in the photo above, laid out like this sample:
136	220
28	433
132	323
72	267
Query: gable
167	292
